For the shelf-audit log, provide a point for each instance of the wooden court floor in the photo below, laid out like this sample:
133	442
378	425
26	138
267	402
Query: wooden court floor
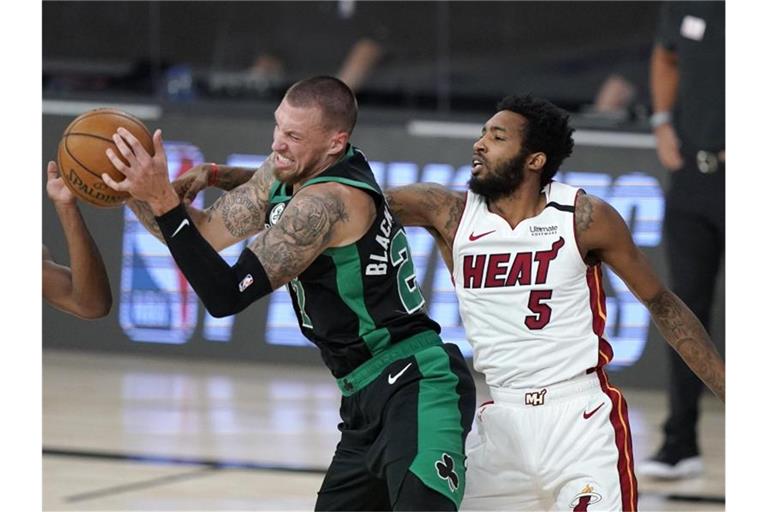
131	433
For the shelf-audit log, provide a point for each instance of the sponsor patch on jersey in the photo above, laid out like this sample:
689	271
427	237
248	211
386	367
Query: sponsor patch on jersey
543	230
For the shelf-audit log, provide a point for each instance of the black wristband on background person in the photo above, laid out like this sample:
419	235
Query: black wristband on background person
224	290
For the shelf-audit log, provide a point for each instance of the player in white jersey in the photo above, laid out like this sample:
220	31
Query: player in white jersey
525	253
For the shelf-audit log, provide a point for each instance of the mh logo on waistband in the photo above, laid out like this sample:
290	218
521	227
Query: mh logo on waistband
535	398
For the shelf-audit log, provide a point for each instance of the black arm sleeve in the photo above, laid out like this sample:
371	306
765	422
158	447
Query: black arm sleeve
224	290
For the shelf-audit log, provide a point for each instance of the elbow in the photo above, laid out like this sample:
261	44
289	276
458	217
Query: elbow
219	312
228	304
220	309
96	310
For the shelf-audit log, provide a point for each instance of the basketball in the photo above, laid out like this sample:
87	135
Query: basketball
82	154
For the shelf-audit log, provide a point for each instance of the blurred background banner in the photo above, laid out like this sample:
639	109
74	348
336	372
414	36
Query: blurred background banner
427	74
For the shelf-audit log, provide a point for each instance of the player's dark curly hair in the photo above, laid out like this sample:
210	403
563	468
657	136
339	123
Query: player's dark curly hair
546	131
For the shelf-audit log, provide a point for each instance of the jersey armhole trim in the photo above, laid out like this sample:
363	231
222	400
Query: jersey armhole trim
575	231
461	219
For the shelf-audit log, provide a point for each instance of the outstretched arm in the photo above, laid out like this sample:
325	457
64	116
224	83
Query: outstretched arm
604	236
432	206
200	177
83	289
236	215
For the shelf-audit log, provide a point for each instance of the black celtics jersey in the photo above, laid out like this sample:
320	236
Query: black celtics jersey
355	301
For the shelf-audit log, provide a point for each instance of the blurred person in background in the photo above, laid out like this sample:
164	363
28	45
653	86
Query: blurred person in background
348	40
357	65
688	99
615	95
82	289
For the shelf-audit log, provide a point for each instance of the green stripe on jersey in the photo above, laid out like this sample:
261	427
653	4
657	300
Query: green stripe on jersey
440	431
273	187
349	282
345	181
277	193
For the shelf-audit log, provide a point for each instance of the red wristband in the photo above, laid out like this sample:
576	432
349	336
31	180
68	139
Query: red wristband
213	177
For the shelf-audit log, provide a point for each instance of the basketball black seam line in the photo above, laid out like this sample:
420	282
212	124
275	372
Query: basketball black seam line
116	112
85	134
66	148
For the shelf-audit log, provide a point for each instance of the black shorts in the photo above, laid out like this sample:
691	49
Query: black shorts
402	437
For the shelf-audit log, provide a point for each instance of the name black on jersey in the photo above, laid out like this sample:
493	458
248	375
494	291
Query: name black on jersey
355	301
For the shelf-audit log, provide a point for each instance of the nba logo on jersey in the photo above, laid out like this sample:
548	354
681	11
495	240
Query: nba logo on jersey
245	283
535	398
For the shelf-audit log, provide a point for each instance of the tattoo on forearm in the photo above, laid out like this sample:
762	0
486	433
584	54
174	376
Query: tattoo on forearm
688	337
455	210
285	249
241	211
397	208
583	213
234	177
144	213
183	188
433	199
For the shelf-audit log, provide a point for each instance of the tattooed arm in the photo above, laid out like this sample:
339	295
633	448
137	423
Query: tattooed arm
603	236
200	177
687	335
317	218
325	216
236	215
431	206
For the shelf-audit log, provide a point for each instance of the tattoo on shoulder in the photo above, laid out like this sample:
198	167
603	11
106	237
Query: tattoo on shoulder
455	210
451	206
314	221
437	205
301	232
584	210
262	178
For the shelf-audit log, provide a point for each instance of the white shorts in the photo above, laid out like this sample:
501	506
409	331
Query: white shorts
563	447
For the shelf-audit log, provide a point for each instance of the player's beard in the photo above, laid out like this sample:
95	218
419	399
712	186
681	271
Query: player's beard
501	180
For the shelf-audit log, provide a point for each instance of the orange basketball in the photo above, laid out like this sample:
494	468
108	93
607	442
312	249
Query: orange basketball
82	154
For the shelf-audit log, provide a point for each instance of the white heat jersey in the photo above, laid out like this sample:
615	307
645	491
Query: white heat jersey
533	311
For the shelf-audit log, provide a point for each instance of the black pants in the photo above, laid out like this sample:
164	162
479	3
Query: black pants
694	226
402	437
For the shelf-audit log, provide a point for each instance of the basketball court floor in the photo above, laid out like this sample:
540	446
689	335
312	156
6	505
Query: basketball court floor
136	433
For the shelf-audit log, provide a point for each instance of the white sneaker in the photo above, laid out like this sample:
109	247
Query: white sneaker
689	467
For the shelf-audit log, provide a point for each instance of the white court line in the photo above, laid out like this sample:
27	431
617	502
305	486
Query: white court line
74	108
421	128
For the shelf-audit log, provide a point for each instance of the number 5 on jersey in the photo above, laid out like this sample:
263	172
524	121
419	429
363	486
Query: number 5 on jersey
542	312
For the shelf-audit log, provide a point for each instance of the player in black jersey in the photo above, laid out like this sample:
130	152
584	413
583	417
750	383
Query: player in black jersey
408	399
